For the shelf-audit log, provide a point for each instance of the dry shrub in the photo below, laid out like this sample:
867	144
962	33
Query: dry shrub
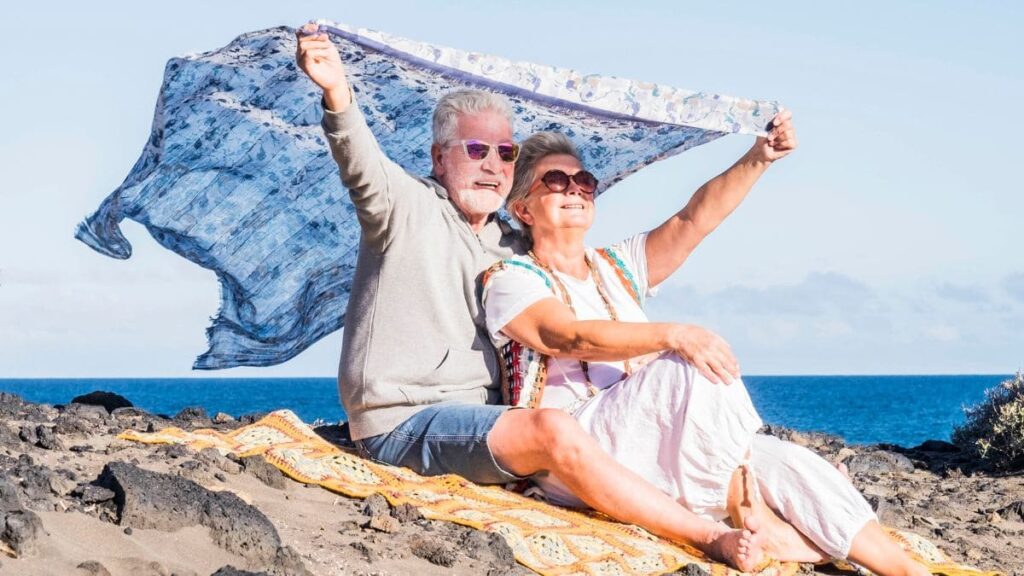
994	429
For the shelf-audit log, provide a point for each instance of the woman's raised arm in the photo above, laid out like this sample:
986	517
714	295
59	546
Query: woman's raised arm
670	244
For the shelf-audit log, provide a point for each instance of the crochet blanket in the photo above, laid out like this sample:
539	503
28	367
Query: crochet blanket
545	538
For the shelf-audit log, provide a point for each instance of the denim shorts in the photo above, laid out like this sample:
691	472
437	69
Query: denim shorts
443	439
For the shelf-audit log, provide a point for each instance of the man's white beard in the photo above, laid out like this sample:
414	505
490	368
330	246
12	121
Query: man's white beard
479	202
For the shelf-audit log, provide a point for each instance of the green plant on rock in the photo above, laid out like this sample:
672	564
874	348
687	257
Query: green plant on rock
994	429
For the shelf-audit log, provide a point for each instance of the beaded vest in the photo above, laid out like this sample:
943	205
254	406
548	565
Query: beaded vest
523	369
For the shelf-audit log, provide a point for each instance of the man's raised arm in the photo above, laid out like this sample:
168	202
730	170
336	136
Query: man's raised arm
319	59
671	243
369	175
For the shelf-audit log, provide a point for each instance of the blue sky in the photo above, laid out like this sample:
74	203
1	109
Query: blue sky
890	242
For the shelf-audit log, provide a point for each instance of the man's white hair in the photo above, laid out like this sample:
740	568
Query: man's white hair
446	115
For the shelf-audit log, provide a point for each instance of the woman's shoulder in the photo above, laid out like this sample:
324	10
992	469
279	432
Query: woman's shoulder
620	259
519	265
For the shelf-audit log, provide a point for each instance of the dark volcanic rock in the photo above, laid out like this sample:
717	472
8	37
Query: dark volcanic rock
91	494
884	509
46	438
9	500
939	446
246	419
34	482
19	529
193	417
375	505
691	570
108	400
10	437
433	550
488	547
264	471
879	461
87	411
369	554
73	424
406	513
1014	511
27	433
337	434
147	499
93	568
230	570
12	407
173	451
138	419
10	404
211	457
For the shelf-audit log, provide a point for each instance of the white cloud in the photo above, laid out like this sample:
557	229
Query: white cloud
833	323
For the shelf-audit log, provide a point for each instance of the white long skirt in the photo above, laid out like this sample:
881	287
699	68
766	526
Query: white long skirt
686	436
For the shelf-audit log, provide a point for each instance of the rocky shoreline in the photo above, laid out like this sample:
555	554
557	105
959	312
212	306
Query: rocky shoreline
76	500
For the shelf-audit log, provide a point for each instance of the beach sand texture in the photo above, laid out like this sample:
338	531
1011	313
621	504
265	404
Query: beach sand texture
62	524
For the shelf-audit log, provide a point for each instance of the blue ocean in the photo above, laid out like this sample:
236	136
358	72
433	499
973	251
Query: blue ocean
903	410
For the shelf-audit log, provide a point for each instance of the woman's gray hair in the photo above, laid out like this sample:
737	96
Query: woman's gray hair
446	114
531	152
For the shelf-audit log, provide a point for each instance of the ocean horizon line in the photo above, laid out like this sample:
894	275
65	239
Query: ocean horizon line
757	375
862	408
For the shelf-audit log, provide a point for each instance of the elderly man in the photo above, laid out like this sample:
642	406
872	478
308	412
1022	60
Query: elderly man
418	376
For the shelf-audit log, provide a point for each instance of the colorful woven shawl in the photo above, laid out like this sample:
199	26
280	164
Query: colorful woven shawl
237	178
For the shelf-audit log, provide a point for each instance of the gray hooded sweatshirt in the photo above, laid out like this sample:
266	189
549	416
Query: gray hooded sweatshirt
414	329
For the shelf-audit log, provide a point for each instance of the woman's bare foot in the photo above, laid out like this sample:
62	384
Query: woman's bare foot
781	540
741	549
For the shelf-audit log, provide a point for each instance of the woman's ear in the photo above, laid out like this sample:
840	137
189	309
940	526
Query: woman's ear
523	213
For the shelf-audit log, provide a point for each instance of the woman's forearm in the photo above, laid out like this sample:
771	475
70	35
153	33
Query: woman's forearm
607	340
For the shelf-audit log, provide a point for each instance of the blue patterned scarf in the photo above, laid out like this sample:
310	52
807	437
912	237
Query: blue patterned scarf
236	175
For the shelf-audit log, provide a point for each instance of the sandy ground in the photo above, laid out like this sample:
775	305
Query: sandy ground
978	517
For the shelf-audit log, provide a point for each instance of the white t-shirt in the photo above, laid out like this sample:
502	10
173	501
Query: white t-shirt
520	283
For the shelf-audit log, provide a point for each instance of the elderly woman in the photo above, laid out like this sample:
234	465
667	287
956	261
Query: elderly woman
663	399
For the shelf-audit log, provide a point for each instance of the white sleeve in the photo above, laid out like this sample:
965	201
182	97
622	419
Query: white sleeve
633	251
507	292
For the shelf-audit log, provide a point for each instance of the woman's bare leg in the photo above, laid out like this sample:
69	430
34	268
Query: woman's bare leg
525	442
873	549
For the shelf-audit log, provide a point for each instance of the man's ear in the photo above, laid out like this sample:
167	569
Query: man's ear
435	157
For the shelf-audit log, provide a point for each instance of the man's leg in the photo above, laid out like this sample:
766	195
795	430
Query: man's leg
443	439
525	442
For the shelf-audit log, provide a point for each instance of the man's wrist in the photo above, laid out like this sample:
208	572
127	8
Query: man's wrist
338	99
